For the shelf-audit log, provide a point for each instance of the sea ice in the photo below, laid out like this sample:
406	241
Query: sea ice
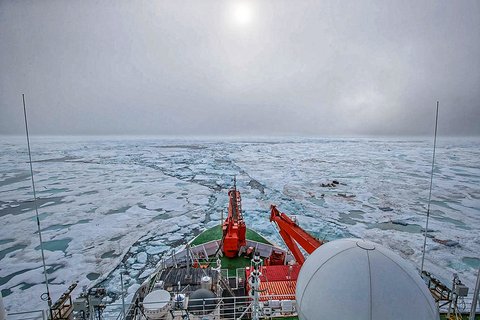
156	250
142	257
109	194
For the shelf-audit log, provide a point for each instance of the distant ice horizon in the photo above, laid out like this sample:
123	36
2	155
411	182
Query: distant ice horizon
241	136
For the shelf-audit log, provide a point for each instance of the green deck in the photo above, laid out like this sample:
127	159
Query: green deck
215	233
231	264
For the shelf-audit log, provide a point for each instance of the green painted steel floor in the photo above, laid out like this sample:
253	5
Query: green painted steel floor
215	233
232	264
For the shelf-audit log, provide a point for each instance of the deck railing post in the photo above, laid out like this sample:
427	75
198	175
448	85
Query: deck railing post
473	309
174	260
123	294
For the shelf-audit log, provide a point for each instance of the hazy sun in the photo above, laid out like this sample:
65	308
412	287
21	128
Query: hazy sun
242	13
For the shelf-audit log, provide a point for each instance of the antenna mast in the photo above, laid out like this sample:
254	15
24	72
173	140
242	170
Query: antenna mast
49	300
430	192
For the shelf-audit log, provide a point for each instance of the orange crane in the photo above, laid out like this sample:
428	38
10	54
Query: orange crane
234	229
294	235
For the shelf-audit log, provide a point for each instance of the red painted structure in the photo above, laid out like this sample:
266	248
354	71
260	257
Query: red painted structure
234	229
277	280
293	235
277	273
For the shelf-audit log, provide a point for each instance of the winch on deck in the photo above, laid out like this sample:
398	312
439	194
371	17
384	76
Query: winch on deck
234	229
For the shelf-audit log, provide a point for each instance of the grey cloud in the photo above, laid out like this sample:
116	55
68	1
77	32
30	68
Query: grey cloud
181	67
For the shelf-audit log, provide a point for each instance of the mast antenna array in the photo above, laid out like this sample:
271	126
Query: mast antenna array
49	299
430	192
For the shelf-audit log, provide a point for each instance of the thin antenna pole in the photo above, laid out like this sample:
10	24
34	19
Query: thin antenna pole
49	300
123	293
430	192
475	297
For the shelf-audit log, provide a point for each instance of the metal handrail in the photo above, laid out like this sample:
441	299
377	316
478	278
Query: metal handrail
230	308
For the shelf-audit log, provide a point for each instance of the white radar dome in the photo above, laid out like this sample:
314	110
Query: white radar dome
357	279
156	304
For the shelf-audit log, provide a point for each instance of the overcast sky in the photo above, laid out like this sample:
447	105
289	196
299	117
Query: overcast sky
277	67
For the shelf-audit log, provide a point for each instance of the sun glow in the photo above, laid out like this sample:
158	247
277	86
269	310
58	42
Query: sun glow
242	13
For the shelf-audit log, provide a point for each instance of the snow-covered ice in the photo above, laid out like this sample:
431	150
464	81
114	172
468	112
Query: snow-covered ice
110	205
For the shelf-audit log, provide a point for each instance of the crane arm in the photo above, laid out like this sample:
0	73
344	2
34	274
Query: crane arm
292	246
294	235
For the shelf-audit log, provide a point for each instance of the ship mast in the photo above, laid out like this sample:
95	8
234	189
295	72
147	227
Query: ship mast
430	192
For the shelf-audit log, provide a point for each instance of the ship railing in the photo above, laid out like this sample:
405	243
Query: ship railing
180	257
204	251
225	308
28	315
445	298
464	304
210	248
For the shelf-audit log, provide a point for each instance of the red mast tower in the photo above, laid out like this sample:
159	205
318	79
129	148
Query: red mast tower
234	228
